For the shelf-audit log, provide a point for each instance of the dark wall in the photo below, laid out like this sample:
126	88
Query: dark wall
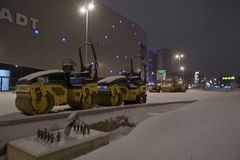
19	45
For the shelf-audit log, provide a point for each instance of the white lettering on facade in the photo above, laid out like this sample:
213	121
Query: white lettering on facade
5	14
20	18
34	22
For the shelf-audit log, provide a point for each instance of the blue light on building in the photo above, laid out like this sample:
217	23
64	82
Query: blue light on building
106	37
120	21
135	33
126	57
113	26
117	57
36	32
63	39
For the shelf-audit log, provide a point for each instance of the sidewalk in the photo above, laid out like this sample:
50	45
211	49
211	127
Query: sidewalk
205	130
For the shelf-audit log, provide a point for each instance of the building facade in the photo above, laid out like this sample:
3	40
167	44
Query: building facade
160	64
39	35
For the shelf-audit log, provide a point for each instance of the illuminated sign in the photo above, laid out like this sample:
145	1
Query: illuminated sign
18	18
161	75
228	78
196	77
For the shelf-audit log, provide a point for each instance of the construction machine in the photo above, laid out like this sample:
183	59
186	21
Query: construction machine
174	85
39	92
129	88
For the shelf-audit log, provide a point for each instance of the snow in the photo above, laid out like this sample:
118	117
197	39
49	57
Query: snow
7	99
181	96
7	103
110	79
136	115
38	74
38	147
205	130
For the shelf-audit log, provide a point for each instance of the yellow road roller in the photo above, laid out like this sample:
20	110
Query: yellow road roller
128	88
174	85
39	92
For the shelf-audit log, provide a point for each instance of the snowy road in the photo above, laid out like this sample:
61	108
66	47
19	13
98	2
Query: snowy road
205	130
7	99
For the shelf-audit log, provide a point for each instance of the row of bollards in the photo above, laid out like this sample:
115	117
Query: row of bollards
48	136
83	128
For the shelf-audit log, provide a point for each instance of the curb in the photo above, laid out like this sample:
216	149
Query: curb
51	116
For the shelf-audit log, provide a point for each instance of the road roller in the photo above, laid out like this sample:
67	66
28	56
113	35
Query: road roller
129	88
39	92
173	85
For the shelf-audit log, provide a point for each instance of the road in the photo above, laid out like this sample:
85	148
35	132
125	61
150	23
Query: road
141	116
205	130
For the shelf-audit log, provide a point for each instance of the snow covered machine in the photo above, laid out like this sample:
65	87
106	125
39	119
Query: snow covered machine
39	92
129	88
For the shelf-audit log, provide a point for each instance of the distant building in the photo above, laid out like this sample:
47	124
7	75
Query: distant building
229	81
160	61
164	60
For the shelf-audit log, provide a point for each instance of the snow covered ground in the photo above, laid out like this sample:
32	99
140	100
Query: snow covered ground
7	99
136	115
7	103
205	130
179	96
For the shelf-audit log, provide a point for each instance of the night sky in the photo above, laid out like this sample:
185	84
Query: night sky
207	30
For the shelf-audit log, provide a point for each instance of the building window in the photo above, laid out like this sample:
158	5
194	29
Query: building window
4	80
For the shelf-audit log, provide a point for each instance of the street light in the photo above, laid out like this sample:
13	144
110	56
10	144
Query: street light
179	57
182	69
84	10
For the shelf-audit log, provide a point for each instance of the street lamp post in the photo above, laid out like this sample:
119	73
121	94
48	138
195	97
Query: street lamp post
182	69
179	57
85	10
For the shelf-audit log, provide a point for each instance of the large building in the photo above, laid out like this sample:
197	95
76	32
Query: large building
40	34
160	63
